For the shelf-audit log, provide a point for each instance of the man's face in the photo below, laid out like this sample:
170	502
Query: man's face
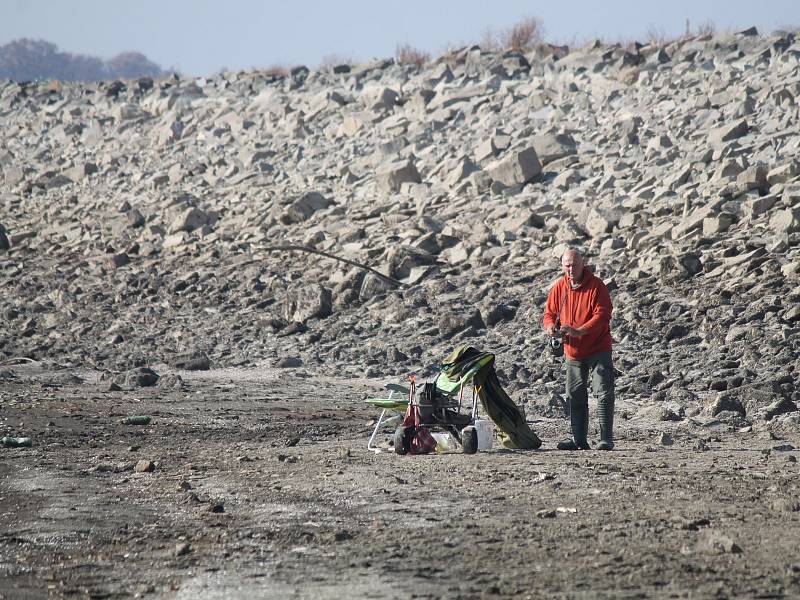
572	265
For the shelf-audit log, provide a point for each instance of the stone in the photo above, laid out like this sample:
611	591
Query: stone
374	286
462	170
717	224
550	147
450	324
170	381
517	168
308	302
391	176
383	99
402	259
182	548
728	132
600	222
715	542
754	177
785	221
289	362
190	219
304	207
81	171
115	261
500	313
792	314
129	112
144	466
141	377
783	173
192	361
779	407
726	402
673	167
13	175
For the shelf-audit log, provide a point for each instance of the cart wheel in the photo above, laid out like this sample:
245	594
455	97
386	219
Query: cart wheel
469	440
402	442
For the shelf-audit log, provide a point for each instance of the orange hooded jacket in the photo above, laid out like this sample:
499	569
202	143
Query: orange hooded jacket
587	307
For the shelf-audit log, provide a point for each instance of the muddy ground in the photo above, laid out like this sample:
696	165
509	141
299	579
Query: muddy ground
263	488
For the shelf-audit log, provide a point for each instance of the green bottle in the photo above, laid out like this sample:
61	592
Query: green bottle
16	442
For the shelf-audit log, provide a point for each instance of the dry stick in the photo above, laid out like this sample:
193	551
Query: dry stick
385	278
18	358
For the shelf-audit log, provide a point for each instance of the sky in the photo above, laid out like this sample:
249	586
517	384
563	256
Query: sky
202	37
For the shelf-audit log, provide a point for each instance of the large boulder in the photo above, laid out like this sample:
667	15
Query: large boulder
517	168
307	302
190	219
306	205
392	175
551	146
728	132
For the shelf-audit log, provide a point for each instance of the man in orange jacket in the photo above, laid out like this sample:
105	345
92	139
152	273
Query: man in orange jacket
578	311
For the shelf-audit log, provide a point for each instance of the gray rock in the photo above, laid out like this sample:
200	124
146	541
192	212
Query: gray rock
391	176
307	302
715	542
718	224
306	205
13	175
726	402
550	147
141	377
453	323
517	168
193	361
289	362
171	381
190	219
373	286
728	132
115	261
785	221
779	407
600	222
144	466
402	259
500	313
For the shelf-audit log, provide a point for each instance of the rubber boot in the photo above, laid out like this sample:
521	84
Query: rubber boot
605	414
579	421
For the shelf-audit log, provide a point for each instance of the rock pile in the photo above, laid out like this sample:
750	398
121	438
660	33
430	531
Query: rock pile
141	222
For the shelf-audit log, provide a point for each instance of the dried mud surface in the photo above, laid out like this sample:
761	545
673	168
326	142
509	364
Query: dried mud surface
263	488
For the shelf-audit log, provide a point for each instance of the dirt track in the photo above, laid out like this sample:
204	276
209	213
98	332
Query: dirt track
305	511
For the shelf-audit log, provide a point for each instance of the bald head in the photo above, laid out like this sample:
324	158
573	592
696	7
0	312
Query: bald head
572	265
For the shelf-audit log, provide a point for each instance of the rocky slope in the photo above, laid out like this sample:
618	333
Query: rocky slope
142	222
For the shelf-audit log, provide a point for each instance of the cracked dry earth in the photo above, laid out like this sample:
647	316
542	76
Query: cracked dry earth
263	488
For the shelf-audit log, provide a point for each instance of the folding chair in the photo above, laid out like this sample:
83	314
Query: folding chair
397	402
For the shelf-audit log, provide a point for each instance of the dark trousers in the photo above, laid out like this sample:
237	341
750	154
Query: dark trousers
601	368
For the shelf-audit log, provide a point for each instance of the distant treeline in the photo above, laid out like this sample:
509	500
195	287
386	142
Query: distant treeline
28	60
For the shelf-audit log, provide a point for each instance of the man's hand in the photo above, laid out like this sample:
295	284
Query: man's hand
572	331
552	331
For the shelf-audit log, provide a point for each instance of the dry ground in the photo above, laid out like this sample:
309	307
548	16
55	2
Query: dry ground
263	488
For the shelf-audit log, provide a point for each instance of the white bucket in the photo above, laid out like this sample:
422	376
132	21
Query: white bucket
443	443
485	430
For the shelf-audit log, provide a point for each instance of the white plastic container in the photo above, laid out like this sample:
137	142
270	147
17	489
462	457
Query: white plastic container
485	430
443	442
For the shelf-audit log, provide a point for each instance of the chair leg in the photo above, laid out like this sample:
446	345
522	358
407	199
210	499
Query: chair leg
375	432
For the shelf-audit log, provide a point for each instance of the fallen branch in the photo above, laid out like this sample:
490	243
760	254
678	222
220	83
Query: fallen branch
15	359
290	247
